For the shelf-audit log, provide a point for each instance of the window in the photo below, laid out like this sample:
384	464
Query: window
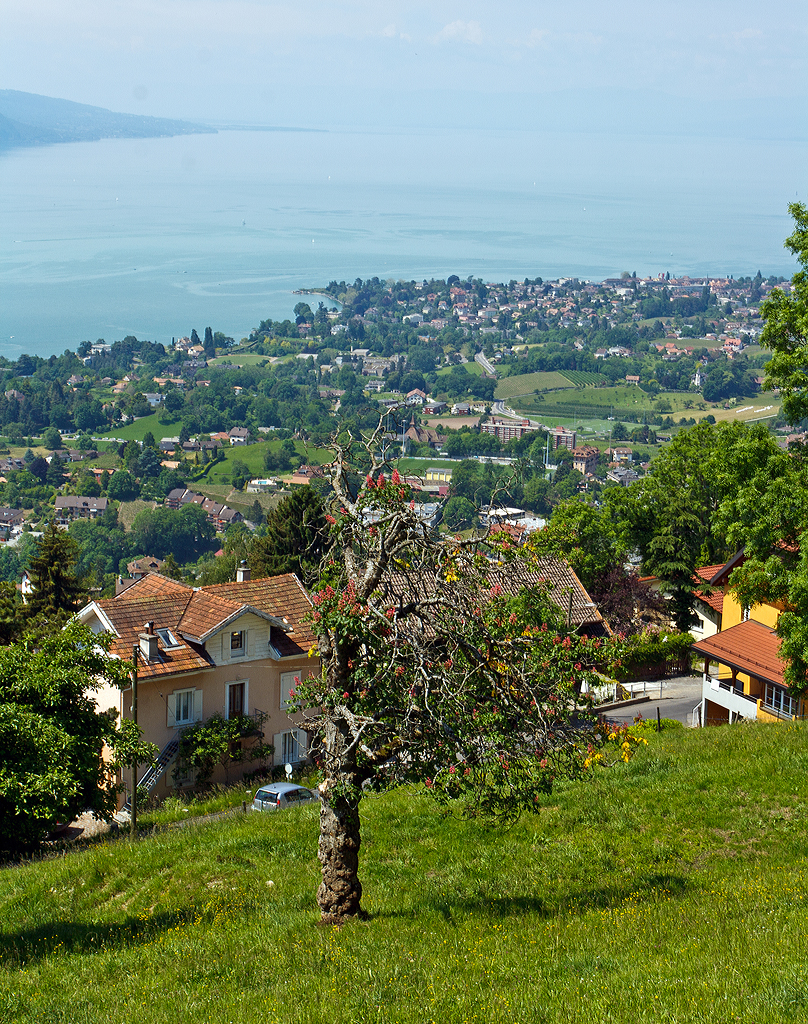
289	681
237	644
167	637
236	699
183	706
290	746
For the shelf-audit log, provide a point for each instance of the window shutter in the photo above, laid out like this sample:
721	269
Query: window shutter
171	707
197	705
302	743
277	742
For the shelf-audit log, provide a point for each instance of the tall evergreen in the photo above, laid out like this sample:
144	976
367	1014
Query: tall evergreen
56	590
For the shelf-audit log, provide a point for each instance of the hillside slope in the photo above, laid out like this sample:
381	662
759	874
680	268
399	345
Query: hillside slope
669	889
27	119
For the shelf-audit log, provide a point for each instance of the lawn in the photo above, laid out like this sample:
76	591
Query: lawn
471	367
137	431
671	889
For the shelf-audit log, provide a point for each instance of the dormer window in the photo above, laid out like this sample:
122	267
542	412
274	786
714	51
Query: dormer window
237	644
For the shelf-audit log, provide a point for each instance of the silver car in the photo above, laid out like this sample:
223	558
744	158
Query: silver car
277	795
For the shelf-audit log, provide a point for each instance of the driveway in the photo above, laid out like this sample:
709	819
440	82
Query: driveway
678	698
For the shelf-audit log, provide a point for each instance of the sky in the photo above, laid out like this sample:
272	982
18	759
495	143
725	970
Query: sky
511	63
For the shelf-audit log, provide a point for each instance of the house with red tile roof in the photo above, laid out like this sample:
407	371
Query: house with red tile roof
743	670
233	649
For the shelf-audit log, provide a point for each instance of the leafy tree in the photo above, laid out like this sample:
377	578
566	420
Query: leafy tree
56	590
430	672
294	537
55	475
52	439
786	328
459	513
184	532
122	486
584	537
209	343
52	733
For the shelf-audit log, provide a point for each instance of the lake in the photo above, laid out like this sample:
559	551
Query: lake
155	237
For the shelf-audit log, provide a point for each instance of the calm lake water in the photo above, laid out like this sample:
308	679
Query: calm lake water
154	237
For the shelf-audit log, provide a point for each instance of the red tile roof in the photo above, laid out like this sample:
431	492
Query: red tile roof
192	614
748	647
716	598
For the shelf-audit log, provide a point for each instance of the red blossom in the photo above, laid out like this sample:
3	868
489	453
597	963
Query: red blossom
395	477
346	695
369	481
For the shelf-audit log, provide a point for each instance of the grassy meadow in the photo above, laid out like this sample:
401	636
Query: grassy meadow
670	889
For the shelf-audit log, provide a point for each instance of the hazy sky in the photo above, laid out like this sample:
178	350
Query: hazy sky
366	61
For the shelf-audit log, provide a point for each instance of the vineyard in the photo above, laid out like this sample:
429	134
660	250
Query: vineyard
527	383
582	379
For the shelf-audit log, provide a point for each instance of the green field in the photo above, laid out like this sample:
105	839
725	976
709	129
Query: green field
137	431
581	378
526	383
672	889
473	368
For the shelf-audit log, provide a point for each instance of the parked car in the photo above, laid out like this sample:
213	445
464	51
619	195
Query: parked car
276	795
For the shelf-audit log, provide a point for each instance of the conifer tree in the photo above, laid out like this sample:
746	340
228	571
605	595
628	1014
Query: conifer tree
57	591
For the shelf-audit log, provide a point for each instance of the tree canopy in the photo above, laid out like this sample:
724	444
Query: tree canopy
52	733
786	328
437	666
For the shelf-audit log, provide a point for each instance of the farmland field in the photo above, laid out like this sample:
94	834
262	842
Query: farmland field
580	378
526	383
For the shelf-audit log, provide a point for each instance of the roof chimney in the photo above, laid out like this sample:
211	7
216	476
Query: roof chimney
148	643
242	573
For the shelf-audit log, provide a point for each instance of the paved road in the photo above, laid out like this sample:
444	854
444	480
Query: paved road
679	697
480	358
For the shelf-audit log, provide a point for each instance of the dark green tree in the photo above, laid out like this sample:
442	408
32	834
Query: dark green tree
786	329
56	590
52	733
295	537
209	343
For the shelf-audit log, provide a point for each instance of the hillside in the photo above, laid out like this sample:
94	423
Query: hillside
670	889
27	119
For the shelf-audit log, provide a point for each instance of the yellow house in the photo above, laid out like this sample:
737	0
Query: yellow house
743	670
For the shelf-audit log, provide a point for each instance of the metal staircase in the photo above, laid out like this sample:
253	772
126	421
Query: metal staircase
157	768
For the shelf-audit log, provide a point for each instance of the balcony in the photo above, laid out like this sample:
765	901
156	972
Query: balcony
723	693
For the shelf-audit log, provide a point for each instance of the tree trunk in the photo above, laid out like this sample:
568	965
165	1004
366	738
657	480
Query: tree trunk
340	892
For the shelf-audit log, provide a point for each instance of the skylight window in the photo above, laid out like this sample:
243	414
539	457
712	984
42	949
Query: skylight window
168	639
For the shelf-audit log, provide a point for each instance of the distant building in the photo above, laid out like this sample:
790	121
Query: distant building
506	430
585	458
68	507
563	438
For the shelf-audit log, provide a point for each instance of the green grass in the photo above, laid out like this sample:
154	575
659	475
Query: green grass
137	431
471	367
581	378
526	383
672	889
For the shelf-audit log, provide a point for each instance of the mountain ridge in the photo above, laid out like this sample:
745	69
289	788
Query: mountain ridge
28	119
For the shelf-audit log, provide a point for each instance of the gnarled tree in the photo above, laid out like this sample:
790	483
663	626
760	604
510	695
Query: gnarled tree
439	665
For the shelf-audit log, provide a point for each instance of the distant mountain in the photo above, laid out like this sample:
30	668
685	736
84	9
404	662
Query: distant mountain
30	120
